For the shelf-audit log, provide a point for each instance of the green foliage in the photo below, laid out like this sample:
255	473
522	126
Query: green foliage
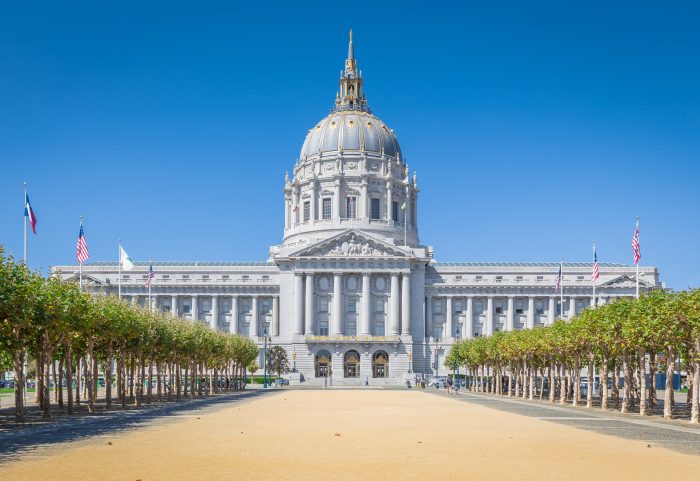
656	322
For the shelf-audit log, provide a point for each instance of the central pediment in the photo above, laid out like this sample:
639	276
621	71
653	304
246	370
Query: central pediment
352	243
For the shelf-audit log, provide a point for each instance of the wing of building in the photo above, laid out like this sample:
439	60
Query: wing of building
351	292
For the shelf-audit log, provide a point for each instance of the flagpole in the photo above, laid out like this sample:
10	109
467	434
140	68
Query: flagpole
637	263
119	262
594	256
561	286
80	281
150	268
25	222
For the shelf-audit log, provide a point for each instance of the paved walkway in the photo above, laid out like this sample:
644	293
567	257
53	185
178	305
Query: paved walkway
675	435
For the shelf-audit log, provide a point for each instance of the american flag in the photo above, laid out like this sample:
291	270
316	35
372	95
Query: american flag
150	276
596	272
635	244
557	288
83	253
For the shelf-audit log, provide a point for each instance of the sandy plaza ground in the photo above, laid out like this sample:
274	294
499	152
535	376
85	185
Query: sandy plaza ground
352	434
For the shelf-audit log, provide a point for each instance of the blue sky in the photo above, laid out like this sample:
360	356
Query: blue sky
534	127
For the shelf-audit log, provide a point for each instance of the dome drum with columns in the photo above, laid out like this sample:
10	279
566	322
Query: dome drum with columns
350	293
350	174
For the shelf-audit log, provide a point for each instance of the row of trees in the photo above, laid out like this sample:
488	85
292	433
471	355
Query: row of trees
73	336
628	335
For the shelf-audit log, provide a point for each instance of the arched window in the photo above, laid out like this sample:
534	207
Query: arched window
323	363
380	364
352	364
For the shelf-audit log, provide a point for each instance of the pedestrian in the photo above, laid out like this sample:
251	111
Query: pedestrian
449	385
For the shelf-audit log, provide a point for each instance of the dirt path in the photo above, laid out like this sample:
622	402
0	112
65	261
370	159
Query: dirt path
302	435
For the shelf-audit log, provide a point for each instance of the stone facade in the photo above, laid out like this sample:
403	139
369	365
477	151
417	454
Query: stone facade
350	292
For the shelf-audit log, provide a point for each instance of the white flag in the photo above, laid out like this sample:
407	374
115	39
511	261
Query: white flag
403	206
125	260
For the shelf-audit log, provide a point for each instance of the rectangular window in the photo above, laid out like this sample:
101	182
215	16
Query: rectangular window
395	211
540	278
166	276
205	276
323	328
499	310
307	211
379	305
352	305
499	278
376	212
579	278
327	210
479	278
351	328
225	276
351	207
519	278
323	304
518	310
185	276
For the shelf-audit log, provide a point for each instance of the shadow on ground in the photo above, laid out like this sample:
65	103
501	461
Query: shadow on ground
26	438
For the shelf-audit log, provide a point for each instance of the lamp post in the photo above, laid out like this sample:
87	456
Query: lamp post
457	337
265	357
437	373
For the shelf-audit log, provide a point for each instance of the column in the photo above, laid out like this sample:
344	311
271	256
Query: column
406	303
310	305
366	317
510	315
389	199
233	326
195	308
338	201
394	317
551	311
448	319
298	304
429	316
530	312
365	200
254	319
173	305
276	316
572	307
312	209
214	323
488	329
336	321
470	318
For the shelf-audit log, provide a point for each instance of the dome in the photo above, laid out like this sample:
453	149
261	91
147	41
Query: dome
350	131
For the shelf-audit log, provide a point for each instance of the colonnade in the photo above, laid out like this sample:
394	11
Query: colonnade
467	330
215	312
399	304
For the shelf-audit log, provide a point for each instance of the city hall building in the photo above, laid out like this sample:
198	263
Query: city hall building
351	292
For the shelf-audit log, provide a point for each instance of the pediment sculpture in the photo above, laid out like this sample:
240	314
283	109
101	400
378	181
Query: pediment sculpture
354	247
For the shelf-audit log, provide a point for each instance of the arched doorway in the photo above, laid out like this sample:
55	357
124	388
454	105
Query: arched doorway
352	364
323	363
380	364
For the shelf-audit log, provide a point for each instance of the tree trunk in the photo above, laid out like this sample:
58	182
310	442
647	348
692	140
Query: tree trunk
694	395
615	393
642	383
604	384
627	387
108	376
653	401
54	376
532	373
691	376
562	384
77	381
591	382
511	381
18	365
186	378
88	384
576	379
159	379
69	375
150	382
60	382
668	392
46	395
132	366
551	374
